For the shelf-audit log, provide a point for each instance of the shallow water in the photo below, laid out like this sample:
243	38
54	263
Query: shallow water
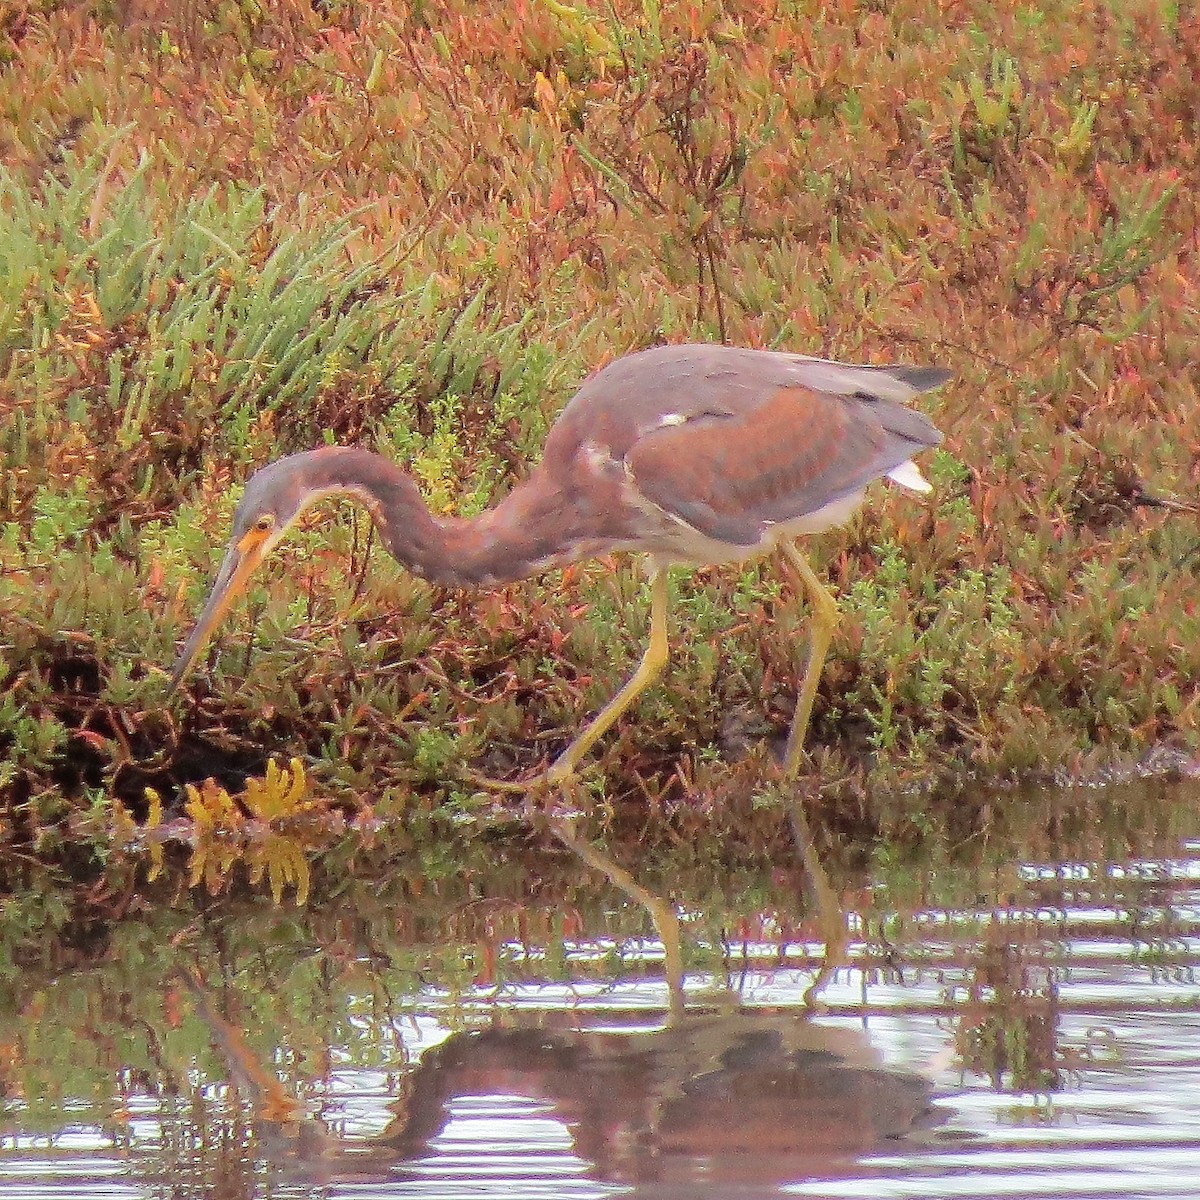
1034	1034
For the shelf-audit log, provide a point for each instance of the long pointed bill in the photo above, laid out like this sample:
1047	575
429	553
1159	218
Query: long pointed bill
236	569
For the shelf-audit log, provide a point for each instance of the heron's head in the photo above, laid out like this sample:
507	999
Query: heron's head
274	497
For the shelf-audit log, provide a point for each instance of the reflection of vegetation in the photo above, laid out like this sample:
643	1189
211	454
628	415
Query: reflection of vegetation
124	1022
1162	934
105	1040
1008	1028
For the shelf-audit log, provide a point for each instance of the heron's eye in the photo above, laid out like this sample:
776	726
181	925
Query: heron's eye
265	523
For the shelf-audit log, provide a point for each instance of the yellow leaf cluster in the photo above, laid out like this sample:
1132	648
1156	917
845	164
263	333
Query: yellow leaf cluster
279	793
223	830
212	809
126	832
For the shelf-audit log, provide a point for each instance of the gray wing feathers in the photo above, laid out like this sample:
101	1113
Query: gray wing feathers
923	379
907	424
880	383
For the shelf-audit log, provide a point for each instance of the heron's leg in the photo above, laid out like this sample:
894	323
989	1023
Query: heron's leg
662	913
648	670
823	622
831	920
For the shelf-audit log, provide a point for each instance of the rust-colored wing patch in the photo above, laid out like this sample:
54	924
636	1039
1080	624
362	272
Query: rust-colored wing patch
776	461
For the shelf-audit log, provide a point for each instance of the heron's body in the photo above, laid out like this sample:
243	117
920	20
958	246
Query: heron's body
691	455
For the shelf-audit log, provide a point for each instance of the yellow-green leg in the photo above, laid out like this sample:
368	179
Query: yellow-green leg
830	917
648	670
831	920
662	912
823	621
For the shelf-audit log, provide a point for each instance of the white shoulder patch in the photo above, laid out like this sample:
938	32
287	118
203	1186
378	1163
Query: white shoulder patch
596	457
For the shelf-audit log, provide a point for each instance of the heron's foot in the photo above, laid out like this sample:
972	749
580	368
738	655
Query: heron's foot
510	787
558	775
831	918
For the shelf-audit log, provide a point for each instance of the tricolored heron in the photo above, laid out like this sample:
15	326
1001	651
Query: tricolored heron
692	455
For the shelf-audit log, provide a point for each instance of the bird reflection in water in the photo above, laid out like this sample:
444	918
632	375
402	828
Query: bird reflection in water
747	1097
741	1098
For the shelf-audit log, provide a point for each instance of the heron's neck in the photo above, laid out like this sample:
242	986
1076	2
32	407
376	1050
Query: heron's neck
524	534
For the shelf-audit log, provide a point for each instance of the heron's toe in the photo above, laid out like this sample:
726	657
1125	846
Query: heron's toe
559	774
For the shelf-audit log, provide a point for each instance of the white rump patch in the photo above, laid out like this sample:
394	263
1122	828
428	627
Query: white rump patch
908	475
671	419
